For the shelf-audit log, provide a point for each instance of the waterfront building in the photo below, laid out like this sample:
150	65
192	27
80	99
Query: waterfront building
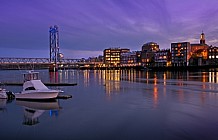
131	59
213	55
199	52
162	58
148	52
95	59
150	47
100	58
180	53
112	56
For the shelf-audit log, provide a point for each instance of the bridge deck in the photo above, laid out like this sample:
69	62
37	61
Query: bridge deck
8	60
47	84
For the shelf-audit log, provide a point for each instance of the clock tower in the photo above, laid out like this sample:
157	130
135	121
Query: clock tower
202	40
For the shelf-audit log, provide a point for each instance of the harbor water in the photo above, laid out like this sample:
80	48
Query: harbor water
116	105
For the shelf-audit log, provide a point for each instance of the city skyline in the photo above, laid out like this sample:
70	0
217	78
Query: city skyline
87	27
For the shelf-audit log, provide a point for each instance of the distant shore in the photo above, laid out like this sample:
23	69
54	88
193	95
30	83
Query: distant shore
169	68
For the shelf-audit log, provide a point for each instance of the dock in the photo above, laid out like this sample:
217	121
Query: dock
47	84
64	96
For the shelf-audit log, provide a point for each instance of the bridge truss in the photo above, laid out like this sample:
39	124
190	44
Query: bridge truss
7	60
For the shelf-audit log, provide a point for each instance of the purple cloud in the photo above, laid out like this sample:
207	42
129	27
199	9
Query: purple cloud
93	25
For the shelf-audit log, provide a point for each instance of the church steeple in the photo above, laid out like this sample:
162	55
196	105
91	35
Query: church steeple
202	40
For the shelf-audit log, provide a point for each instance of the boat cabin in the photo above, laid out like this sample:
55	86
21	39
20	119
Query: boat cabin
31	75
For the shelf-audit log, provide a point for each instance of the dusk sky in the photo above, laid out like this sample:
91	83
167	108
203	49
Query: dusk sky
87	27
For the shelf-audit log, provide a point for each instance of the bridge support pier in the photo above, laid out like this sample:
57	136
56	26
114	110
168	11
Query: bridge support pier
53	68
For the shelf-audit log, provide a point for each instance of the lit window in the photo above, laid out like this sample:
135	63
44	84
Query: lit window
213	56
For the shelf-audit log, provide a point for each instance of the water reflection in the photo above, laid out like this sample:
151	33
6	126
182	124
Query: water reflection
53	77
3	105
86	77
34	109
155	96
132	75
213	77
177	82
158	82
63	76
178	105
111	82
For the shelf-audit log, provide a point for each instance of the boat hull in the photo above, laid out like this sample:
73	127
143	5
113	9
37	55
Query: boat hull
39	105
40	95
3	95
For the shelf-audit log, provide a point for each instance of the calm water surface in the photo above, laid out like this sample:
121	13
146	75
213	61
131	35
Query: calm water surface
116	105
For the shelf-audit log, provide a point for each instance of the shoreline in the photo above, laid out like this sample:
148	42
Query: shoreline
170	68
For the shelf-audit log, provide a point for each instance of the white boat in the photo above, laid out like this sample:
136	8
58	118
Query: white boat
33	88
4	94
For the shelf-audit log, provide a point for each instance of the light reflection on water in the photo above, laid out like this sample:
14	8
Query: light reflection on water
121	104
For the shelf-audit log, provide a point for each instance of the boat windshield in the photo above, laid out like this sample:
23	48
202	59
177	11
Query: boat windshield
31	76
30	88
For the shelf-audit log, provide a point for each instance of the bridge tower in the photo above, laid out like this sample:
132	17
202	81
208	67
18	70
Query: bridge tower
54	43
54	46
